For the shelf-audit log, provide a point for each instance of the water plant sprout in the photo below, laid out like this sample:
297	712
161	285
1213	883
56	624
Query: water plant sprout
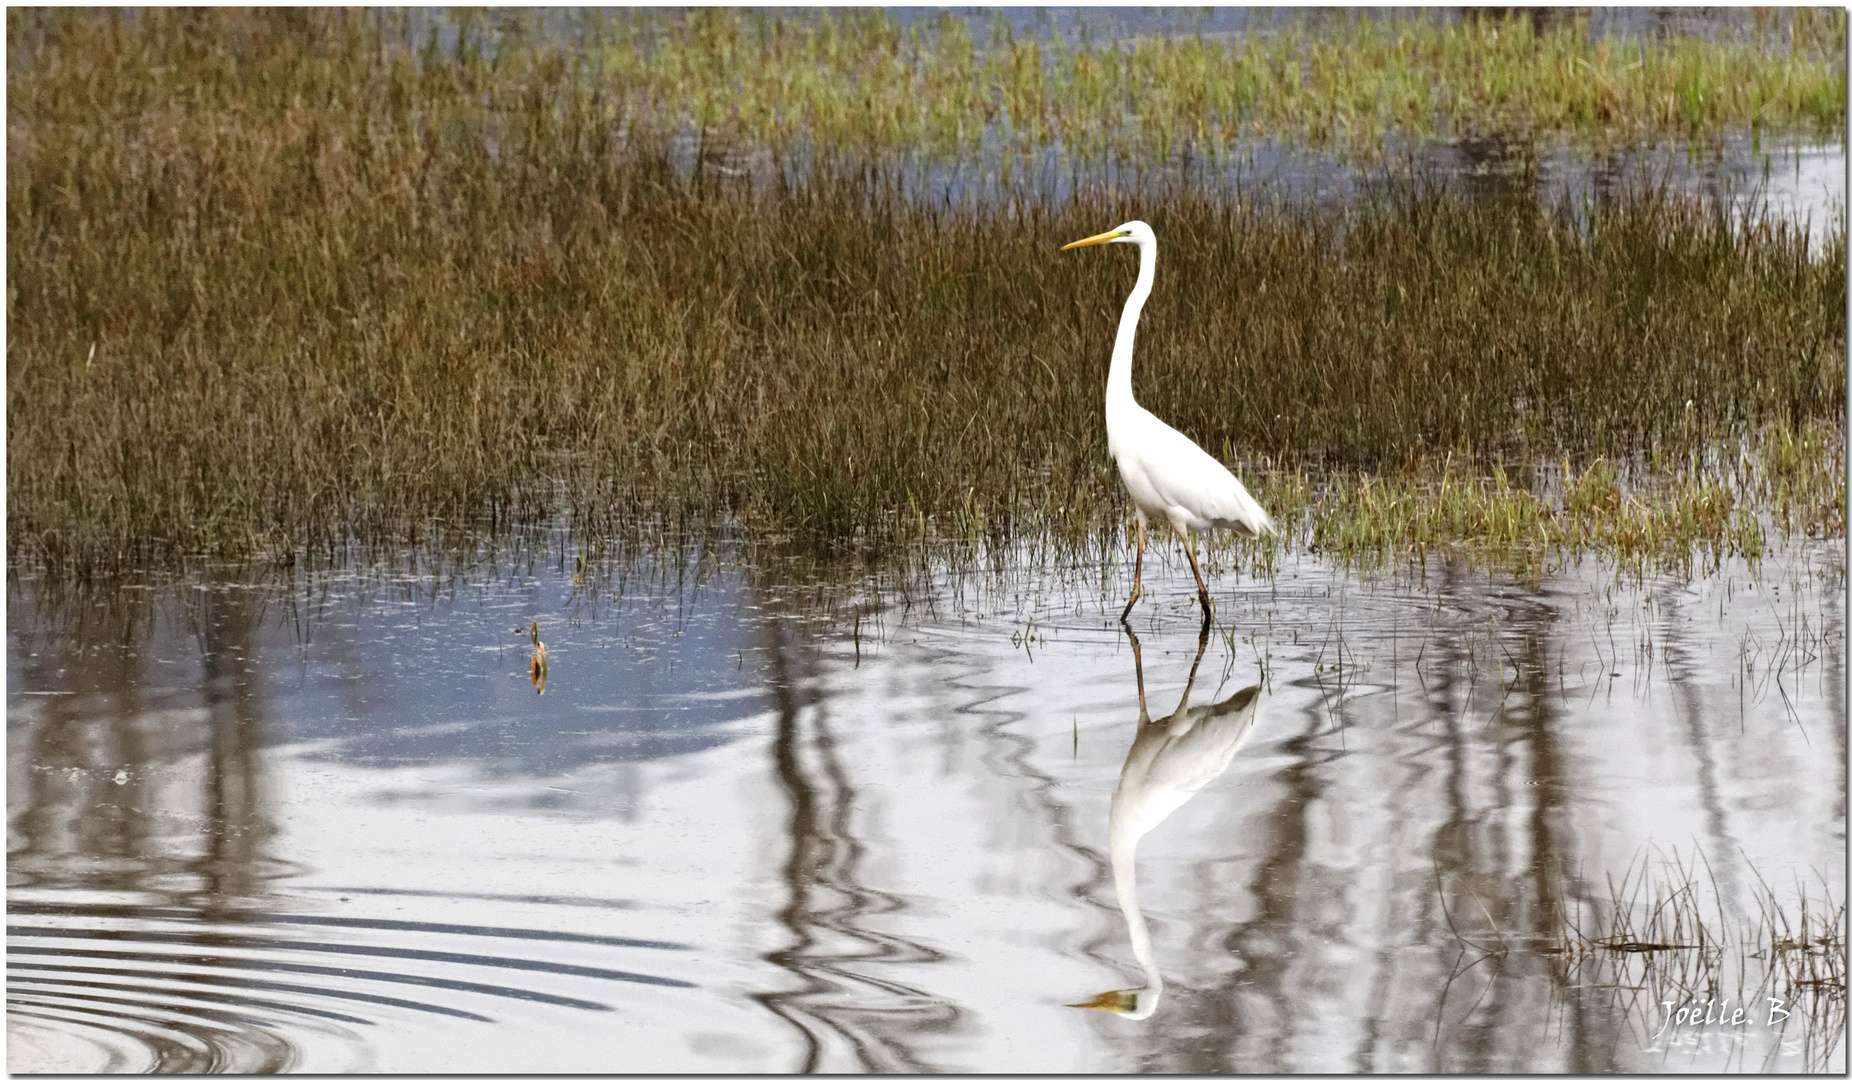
1166	474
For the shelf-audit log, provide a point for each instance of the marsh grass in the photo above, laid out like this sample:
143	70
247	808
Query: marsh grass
279	284
1732	498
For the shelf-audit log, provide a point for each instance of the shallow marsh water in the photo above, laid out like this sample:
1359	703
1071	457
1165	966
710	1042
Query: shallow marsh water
327	823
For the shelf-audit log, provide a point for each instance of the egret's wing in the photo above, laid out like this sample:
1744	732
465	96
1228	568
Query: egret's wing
1190	760
1238	701
1173	759
1186	475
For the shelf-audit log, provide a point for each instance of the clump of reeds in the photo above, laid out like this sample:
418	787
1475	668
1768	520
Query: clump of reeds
279	282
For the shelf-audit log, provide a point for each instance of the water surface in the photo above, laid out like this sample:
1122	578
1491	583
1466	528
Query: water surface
327	823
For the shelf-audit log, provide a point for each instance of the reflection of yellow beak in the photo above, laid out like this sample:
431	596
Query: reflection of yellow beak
1100	239
1119	1001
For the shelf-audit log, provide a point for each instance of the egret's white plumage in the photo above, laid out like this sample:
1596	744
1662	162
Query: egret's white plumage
1168	476
1170	761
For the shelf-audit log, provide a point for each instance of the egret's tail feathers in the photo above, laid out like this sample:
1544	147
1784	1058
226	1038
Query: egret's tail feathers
1252	524
1252	517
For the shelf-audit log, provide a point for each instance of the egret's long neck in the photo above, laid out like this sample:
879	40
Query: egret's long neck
1124	852
1119	379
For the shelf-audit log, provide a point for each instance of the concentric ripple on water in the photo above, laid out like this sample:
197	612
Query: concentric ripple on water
146	988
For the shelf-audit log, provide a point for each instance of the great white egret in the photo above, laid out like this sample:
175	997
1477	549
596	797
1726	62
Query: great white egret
1170	761
1166	474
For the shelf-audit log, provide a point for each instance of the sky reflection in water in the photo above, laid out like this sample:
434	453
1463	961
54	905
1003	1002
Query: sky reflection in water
328	824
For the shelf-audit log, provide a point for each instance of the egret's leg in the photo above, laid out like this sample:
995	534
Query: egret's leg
1202	646
1138	665
1202	591
1138	570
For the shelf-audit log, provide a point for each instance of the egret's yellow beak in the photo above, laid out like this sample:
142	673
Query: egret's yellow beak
1100	239
1118	1001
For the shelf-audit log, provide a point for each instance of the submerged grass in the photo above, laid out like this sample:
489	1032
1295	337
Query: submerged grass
277	283
1670	949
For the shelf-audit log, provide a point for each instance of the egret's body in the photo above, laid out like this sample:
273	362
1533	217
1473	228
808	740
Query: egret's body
1170	761
1167	476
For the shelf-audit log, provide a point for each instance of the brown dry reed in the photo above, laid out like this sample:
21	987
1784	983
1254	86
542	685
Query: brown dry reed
279	283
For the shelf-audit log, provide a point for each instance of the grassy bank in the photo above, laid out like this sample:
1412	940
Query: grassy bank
276	284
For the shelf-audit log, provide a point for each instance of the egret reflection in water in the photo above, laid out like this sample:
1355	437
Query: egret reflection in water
1170	761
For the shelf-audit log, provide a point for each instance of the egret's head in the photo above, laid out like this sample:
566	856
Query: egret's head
1119	1001
1124	1003
1132	232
